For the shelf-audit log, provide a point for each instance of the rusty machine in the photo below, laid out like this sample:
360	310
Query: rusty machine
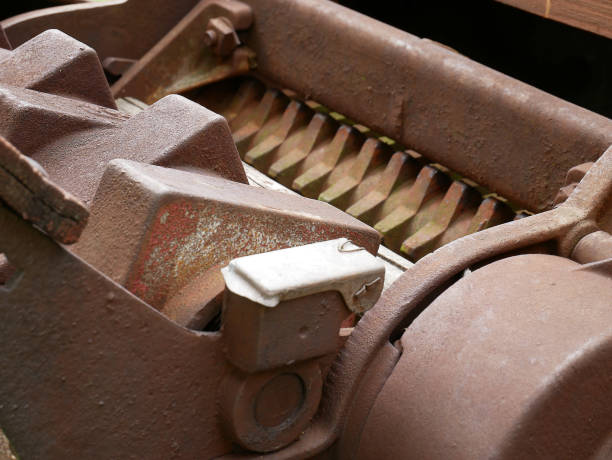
193	195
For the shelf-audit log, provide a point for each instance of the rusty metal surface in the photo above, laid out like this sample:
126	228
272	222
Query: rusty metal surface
268	410
505	135
114	374
55	63
417	208
594	247
573	177
199	302
74	140
518	367
177	224
4	42
293	336
122	29
471	355
255	342
394	264
370	384
181	60
117	66
96	388
24	186
563	226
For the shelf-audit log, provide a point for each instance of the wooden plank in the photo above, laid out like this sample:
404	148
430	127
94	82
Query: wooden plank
592	15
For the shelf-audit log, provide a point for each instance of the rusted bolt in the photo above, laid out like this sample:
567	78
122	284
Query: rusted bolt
279	400
221	36
268	410
210	37
594	247
573	177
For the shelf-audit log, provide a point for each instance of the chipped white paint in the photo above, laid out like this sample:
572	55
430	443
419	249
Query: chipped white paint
335	265
395	265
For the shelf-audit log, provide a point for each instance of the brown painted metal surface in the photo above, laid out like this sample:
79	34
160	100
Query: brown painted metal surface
563	227
4	42
472	119
73	140
471	353
24	186
512	361
181	61
268	410
594	247
116	28
465	116
55	63
256	343
176	224
416	207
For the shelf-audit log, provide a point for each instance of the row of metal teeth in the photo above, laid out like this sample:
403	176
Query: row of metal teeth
415	206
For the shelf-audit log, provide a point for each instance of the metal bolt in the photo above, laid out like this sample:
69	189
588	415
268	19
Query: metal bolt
221	36
210	38
280	400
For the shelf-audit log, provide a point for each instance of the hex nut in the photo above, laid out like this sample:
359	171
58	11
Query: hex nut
221	36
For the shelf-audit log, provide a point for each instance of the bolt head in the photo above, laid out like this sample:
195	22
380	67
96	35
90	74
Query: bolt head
225	39
210	37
